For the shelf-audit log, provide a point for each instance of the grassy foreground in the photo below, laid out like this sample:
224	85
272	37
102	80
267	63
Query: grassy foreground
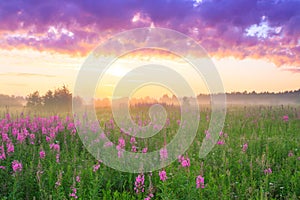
257	157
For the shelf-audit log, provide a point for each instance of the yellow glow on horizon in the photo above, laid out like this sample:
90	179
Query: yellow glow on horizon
24	71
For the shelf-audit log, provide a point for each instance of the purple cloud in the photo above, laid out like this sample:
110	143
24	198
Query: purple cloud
241	28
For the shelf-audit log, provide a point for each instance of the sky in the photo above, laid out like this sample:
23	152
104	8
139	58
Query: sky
254	44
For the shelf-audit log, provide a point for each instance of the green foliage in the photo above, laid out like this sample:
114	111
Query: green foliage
229	172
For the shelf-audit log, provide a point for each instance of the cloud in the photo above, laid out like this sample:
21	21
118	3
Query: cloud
27	75
293	70
241	28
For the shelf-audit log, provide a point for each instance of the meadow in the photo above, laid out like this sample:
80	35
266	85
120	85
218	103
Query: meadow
257	156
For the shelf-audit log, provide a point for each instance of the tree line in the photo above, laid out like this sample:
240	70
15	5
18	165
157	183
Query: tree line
58	100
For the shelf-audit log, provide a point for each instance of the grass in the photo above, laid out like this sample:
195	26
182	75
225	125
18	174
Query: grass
228	171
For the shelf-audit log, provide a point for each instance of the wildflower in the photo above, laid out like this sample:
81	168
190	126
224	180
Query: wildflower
73	194
42	154
10	147
78	179
186	162
32	136
17	166
221	142
2	153
180	158
133	148
48	139
163	175
96	167
121	144
285	118
268	171
102	136
290	154
54	146
163	153
145	150
132	140
245	147
108	144
149	196
200	182
139	183
57	183
120	153
57	157
206	132
2	167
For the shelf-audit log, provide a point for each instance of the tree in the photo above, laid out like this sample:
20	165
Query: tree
34	100
63	99
48	100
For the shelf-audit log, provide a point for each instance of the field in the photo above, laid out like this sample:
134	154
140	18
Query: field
257	157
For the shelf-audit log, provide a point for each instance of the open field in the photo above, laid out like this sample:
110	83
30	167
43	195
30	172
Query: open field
257	157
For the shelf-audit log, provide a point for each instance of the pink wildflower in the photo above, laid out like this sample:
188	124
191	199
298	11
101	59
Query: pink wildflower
163	175
245	147
145	150
132	140
149	196
96	167
163	153
73	194
56	147
42	154
139	183
290	154
221	142
17	166
48	139
57	157
200	182
120	153
285	118
268	171
2	153
186	162
10	147
78	179
121	144
108	144
133	148
2	167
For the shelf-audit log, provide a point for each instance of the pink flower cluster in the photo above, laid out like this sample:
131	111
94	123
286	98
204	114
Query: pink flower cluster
149	196
120	147
185	161
245	147
73	194
163	175
96	167
2	153
268	171
200	182
163	153
285	118
55	147
139	183
16	166
42	154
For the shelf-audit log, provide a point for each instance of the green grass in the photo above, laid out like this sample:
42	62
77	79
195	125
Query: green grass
229	172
